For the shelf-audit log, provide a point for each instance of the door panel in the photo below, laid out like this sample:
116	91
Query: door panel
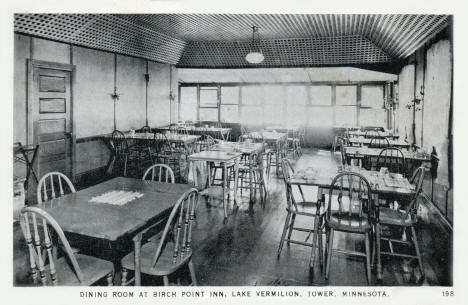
51	102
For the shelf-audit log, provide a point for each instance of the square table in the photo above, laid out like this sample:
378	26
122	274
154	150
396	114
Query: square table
380	184
361	141
226	159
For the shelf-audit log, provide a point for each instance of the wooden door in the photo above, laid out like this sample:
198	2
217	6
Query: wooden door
51	105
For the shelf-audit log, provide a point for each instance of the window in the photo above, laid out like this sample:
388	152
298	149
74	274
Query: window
320	109
209	97
321	116
229	110
296	101
346	106
209	114
188	104
273	104
372	112
321	95
252	105
251	115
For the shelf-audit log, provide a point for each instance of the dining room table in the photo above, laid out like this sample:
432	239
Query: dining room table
115	210
382	184
362	141
221	133
226	160
381	134
249	150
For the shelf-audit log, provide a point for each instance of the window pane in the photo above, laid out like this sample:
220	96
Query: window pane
296	115
273	94
209	114
321	116
372	96
346	116
251	115
188	103
372	117
321	95
346	95
208	97
229	95
230	113
296	95
252	95
273	114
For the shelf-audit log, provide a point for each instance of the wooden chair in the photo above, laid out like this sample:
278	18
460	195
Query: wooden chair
205	142
164	173
300	207
393	159
405	220
251	175
379	143
372	133
351	210
124	153
294	143
47	268
53	185
173	251
145	129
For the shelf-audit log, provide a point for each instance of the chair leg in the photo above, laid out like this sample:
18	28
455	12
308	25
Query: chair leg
125	166
416	247
329	253
166	280
320	242
368	266
377	251
314	243
110	279
124	277
291	225
192	273
286	224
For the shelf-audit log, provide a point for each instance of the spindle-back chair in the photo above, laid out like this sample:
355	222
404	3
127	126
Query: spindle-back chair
161	172
379	143
47	268
300	207
53	185
174	249
145	129
393	159
404	219
351	210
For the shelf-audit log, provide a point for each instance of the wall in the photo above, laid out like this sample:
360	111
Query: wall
93	82
433	71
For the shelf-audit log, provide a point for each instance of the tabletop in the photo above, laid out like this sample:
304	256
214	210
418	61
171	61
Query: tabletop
266	135
366	141
362	133
380	183
215	156
77	213
375	152
243	147
201	129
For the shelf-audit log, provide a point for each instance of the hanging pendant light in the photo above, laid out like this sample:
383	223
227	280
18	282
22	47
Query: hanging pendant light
255	55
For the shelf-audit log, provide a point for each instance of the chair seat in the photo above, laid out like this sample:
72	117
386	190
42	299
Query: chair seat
163	267
346	222
394	217
92	268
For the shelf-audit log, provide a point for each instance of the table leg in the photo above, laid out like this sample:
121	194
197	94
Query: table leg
236	177
250	180
225	203
137	245
377	240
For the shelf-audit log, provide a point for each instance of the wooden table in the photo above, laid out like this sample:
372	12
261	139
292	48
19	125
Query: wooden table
382	134
272	139
226	159
75	213
248	150
215	132
361	152
394	184
361	141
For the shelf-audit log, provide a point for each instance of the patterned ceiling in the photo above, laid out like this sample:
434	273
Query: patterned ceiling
222	40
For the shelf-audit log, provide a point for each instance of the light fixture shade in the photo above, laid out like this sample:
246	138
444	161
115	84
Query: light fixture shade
254	57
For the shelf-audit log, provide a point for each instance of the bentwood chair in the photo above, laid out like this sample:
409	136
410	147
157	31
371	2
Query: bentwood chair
379	143
160	173
172	252
393	159
302	208
49	268
53	185
350	210
404	221
124	153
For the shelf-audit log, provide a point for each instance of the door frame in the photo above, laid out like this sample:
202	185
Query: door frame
32	136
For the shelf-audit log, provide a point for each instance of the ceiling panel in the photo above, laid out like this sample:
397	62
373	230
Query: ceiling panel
288	39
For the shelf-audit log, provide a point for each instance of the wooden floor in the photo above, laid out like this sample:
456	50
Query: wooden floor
242	250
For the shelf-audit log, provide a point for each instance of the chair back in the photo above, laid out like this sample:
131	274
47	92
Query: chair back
53	185
288	171
393	159
178	228
119	142
161	144
343	142
206	142
370	134
417	180
182	130
159	173
350	201
35	224
379	143
145	129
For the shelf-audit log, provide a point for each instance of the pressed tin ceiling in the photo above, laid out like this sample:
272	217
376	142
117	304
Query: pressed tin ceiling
222	40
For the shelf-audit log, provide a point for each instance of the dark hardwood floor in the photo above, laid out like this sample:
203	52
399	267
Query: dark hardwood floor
242	250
